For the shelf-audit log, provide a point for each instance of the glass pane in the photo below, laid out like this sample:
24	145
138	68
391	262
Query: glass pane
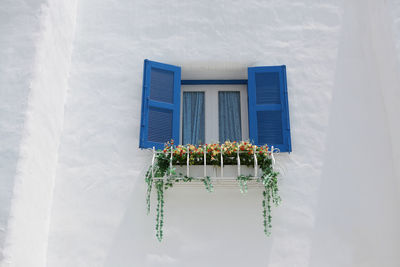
230	123
193	118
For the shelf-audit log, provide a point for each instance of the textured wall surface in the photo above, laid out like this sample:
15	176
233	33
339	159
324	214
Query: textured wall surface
394	7
101	170
79	194
358	207
98	213
19	28
39	98
391	88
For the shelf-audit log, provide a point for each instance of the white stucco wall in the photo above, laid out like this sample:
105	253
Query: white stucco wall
41	62
339	186
391	91
19	28
358	210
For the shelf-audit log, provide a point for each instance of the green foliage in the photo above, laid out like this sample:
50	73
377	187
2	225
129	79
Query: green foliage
269	179
208	184
168	175
149	182
159	184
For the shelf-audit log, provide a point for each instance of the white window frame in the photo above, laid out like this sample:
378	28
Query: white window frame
211	108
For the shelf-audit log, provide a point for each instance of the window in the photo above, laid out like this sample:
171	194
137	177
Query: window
223	109
201	111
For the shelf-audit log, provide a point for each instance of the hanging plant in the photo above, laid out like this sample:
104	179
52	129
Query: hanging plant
162	175
242	181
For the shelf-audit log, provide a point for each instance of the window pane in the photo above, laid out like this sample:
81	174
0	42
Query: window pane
193	118
230	127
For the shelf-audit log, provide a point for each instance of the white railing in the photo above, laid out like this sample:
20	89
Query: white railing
221	177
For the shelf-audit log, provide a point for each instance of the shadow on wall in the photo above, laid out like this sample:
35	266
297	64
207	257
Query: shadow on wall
198	227
358	213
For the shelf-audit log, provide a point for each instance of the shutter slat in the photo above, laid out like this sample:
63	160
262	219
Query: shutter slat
160	125
268	107
268	89
162	85
160	104
269	124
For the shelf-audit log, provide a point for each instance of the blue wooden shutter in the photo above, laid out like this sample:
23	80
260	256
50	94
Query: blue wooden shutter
160	104
268	107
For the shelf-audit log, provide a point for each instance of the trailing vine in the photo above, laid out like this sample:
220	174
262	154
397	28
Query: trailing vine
242	181
269	179
149	182
160	209
165	176
207	183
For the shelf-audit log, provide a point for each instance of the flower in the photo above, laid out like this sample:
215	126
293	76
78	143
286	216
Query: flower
195	153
